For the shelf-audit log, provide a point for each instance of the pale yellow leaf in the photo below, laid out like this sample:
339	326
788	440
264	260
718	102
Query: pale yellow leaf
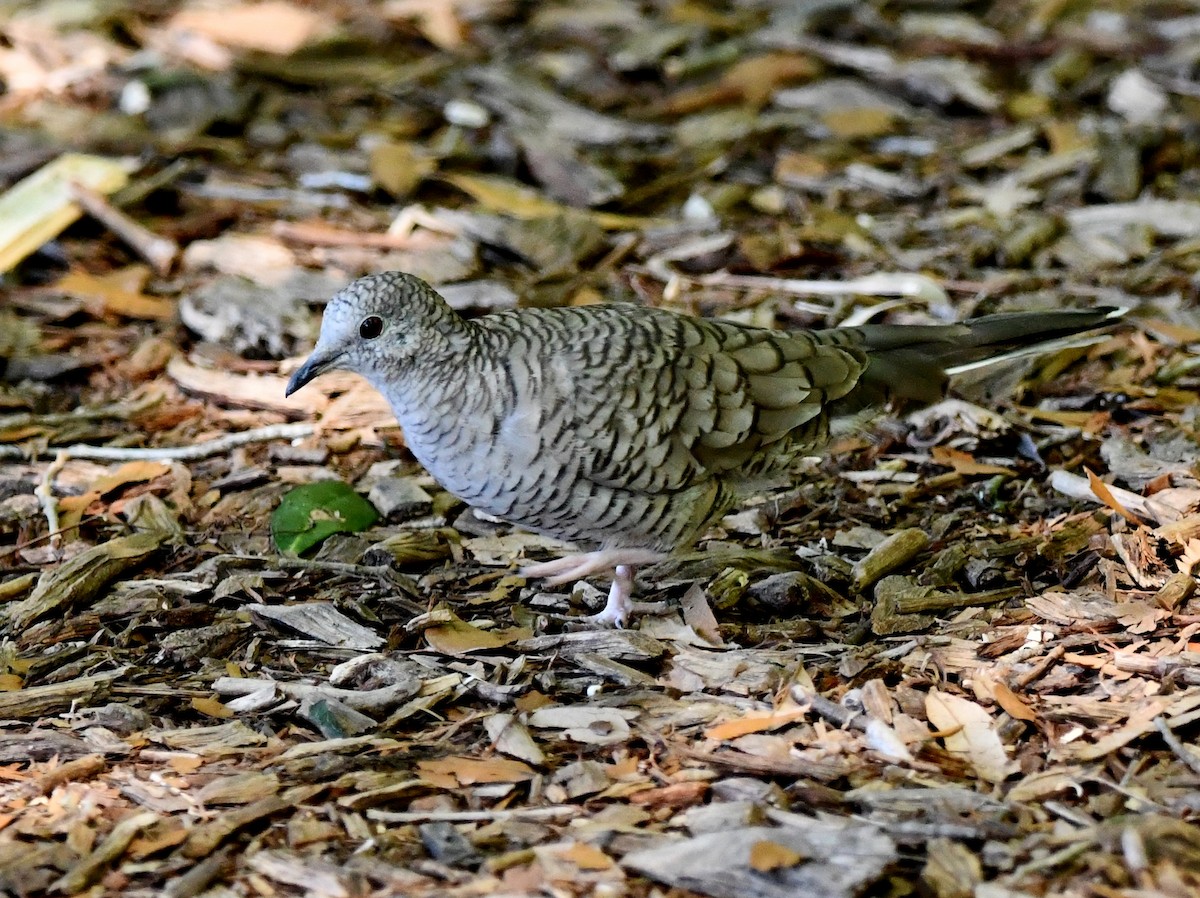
970	732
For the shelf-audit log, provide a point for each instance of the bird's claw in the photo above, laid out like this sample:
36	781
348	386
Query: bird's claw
609	619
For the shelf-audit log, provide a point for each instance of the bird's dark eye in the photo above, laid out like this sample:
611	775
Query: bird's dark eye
371	327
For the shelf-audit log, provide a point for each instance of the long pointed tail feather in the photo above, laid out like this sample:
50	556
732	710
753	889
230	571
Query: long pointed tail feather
915	363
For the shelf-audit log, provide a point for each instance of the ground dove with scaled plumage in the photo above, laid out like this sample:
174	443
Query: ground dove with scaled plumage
629	430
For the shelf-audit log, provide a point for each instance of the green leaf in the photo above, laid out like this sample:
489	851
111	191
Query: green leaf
310	513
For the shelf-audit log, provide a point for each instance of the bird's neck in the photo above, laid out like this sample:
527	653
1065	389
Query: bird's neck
445	363
447	404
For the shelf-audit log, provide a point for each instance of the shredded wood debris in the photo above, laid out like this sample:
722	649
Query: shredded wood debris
957	655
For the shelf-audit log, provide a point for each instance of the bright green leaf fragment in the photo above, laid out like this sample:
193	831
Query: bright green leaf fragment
310	513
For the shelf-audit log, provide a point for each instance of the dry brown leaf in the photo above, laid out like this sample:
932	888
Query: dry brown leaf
453	772
859	122
167	837
1088	422
799	168
398	167
130	472
1012	703
768	856
72	508
752	80
184	764
438	20
40	56
1104	494
212	707
502	195
676	795
1170	331
117	293
271	27
586	857
457	637
531	701
1190	557
1140	722
699	616
965	463
754	722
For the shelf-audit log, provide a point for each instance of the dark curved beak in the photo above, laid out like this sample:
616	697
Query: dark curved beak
317	363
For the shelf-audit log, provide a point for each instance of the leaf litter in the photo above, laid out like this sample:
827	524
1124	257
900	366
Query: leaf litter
955	656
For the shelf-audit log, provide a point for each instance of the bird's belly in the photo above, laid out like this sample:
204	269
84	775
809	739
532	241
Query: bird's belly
540	495
469	460
550	494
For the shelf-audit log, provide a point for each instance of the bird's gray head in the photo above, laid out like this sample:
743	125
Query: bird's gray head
377	326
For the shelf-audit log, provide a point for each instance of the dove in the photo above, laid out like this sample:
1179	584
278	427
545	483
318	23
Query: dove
628	430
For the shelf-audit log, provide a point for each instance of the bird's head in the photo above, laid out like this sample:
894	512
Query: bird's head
376	327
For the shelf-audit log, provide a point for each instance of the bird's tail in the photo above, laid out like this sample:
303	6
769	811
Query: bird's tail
914	363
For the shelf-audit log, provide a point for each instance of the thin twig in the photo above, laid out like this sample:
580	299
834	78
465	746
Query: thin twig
322	235
306	564
206	449
1036	672
160	252
839	715
381	572
122	410
1176	745
548	813
13	550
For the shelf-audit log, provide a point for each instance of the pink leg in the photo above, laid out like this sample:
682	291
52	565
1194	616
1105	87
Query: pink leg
620	600
578	566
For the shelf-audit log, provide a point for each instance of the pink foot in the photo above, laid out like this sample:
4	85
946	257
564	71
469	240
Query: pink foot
576	567
620	604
